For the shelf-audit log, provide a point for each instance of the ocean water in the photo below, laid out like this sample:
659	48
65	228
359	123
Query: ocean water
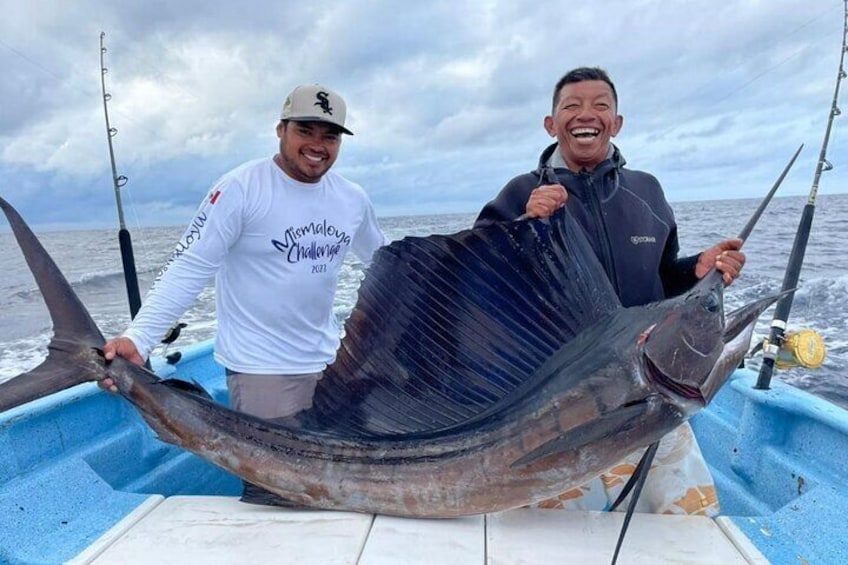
91	261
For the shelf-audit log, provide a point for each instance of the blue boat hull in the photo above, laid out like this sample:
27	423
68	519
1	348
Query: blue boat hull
74	464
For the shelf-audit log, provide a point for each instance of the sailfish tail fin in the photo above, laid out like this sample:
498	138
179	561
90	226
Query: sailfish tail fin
73	328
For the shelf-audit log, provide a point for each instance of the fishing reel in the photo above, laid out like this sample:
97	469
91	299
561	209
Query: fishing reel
802	348
170	337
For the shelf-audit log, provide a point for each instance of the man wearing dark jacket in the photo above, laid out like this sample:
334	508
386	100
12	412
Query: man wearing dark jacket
633	233
624	212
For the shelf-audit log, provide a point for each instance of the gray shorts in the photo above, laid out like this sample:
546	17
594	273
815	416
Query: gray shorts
271	396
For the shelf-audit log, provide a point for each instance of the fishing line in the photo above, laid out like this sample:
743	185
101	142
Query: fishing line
679	103
65	82
768	70
30	61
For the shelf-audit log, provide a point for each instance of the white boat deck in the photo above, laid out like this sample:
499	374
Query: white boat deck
222	530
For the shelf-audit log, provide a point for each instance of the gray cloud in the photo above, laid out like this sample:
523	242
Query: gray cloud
446	98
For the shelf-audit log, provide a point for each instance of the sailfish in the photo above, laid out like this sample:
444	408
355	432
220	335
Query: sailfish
479	371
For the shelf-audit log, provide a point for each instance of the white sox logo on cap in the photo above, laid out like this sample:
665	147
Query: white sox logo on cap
315	103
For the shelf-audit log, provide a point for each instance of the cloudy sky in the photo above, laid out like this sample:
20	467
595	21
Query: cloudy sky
446	98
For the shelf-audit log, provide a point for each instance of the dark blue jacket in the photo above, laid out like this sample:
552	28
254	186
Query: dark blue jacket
625	214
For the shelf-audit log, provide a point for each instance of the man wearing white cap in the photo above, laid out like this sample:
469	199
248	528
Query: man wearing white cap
273	233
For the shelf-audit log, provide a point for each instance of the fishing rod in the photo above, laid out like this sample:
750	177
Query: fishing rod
777	334
118	181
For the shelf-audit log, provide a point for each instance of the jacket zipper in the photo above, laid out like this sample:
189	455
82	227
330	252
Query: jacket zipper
606	247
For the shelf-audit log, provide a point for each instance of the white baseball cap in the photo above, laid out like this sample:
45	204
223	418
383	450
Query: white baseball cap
315	103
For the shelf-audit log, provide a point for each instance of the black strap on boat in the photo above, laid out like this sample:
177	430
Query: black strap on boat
630	482
635	483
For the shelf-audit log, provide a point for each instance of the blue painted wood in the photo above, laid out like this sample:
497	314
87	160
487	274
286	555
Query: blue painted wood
780	461
75	463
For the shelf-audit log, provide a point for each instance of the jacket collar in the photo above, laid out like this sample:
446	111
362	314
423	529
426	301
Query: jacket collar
614	161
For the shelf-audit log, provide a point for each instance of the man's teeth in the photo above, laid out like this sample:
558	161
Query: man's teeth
585	132
313	158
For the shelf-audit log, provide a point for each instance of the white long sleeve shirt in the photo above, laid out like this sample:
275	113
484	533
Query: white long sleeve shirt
275	247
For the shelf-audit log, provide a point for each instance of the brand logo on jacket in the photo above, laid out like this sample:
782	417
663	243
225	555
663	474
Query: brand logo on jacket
639	239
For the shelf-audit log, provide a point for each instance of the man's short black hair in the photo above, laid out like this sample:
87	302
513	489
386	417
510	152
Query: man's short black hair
579	75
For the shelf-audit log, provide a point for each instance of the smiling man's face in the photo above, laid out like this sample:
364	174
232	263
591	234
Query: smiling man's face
583	122
307	149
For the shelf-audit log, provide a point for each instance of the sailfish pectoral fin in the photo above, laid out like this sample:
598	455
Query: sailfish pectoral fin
586	434
192	387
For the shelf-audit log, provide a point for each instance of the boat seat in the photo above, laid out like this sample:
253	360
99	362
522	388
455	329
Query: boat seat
211	530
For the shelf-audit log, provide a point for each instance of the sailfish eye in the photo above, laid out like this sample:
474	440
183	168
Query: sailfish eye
711	303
